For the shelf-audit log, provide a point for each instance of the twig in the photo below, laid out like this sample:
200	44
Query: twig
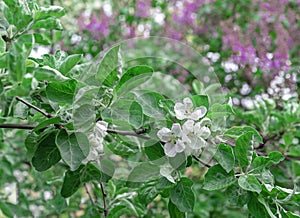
200	161
104	199
127	133
34	107
15	126
89	194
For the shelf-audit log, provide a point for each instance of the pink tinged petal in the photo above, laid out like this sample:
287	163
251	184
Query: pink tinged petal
164	134
170	150
176	129
179	146
188	127
179	109
198	113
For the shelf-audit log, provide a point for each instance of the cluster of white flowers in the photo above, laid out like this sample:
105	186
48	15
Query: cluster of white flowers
192	135
96	141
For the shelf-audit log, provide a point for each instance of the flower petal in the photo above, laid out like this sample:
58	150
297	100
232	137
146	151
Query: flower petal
176	129
188	127
179	146
197	142
164	134
179	109
170	150
188	104
198	113
204	132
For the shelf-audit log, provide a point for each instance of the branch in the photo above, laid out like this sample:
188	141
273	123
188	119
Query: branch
104	199
89	194
200	161
127	133
15	126
34	107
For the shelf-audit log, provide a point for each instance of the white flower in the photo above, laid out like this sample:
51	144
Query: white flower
185	110
172	137
96	141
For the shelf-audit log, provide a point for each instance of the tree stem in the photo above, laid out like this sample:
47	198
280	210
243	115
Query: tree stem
104	199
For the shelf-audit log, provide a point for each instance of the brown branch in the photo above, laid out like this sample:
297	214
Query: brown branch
200	161
104	199
15	126
89	194
34	107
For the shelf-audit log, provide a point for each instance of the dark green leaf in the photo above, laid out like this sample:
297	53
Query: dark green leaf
2	45
73	148
6	210
225	157
47	154
45	123
256	208
217	178
174	212
249	183
154	150
182	195
136	116
71	183
61	92
244	149
200	100
261	163
90	173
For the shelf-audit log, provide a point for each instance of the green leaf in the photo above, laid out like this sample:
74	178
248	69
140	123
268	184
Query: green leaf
71	182
107	169
50	11
108	66
249	183
200	100
42	39
150	104
133	77
47	122
69	63
48	23
46	154
31	144
1	87
237	131
182	195
261	163
174	211
154	150
136	116
244	149
73	148
256	208
2	45
143	172
18	53
217	178
225	157
6	210
61	92
90	173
